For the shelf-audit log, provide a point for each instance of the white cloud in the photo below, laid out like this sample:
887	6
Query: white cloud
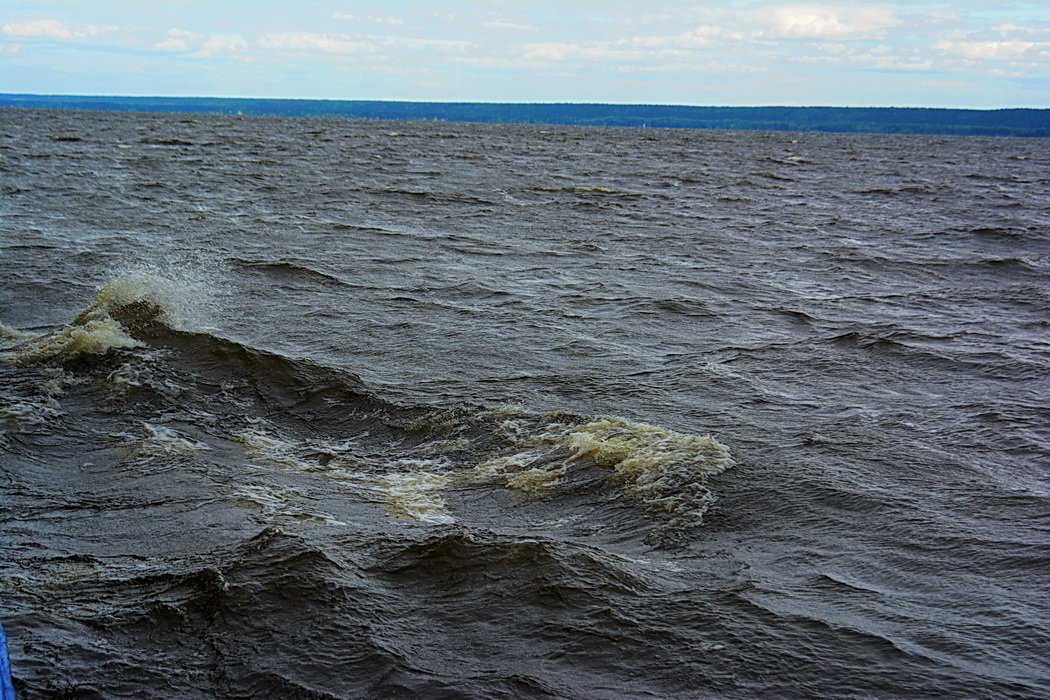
700	37
171	45
1019	29
178	40
492	62
900	63
992	50
9	49
641	49
47	28
829	21
52	29
560	51
445	45
947	84
347	17
321	43
219	44
501	25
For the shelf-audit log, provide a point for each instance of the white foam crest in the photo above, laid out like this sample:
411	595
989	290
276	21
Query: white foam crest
124	379
177	297
281	502
159	441
263	446
410	487
182	297
662	469
9	337
96	336
417	495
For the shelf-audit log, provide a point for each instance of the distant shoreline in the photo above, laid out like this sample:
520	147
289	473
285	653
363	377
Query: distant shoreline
1021	122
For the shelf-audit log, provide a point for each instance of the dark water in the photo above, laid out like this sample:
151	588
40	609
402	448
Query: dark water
367	409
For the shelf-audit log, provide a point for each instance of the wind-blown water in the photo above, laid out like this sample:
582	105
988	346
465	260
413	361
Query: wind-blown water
311	408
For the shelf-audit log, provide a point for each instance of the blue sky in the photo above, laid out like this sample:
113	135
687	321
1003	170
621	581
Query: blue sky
706	52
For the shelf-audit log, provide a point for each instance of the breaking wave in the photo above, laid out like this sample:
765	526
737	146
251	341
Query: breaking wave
294	414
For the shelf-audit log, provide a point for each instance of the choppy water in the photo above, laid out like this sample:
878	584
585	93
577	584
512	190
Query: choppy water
309	408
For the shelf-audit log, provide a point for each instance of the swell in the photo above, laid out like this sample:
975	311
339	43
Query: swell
287	271
279	614
208	624
948	353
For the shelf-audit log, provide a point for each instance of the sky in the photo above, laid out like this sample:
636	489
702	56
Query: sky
969	53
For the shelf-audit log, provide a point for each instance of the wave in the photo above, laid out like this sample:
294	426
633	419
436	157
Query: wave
86	335
284	270
30	402
274	613
295	414
130	302
663	470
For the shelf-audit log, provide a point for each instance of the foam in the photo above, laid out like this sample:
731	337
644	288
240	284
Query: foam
94	335
417	495
259	445
181	292
124	380
95	331
170	301
18	415
281	502
176	297
410	488
662	469
9	337
159	441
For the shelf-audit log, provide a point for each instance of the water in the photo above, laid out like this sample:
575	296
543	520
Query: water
311	408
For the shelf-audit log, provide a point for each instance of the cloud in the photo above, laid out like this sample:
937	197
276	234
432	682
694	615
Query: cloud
993	50
640	49
219	44
829	22
504	26
492	62
171	45
46	28
346	17
178	40
443	45
947	84
1009	28
52	29
700	37
9	49
319	43
561	51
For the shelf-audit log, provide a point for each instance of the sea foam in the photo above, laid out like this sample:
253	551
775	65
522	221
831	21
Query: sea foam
663	470
134	300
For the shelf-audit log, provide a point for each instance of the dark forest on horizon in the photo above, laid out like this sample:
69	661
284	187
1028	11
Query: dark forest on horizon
882	120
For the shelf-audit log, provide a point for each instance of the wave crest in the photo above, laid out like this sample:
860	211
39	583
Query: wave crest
664	470
127	307
94	335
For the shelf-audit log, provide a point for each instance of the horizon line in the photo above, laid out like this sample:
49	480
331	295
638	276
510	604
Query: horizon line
455	101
